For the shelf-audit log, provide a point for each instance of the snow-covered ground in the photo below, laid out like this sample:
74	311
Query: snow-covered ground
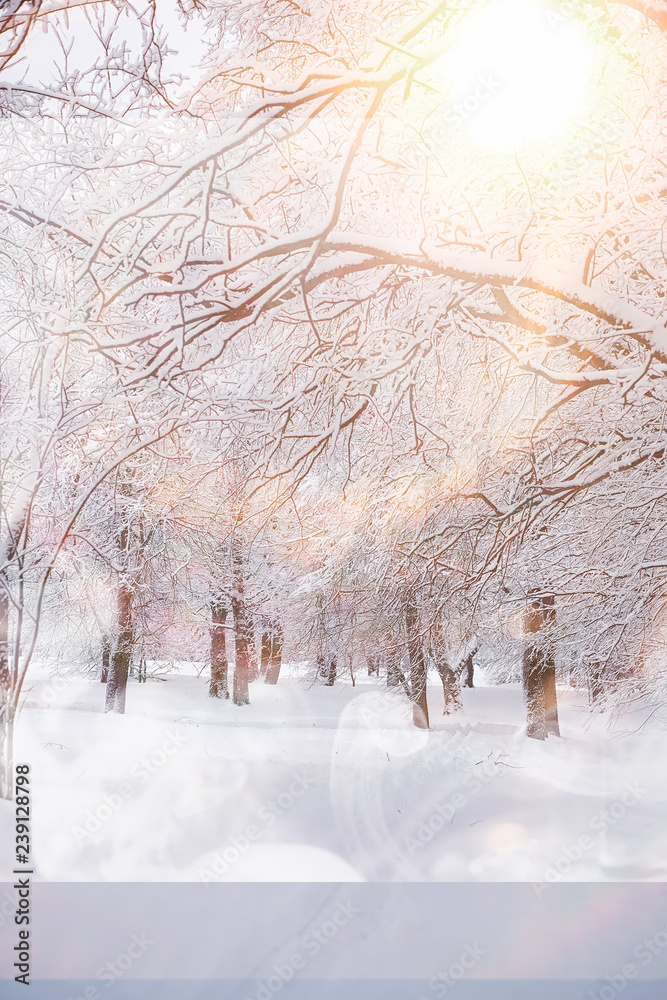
311	783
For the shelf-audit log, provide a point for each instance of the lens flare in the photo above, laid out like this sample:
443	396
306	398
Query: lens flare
517	72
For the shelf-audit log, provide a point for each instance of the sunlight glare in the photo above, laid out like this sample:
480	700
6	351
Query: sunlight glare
517	72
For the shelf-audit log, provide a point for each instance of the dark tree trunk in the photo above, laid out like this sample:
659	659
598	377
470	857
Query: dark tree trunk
417	666
106	658
119	667
219	684
275	655
240	692
469	668
373	664
331	674
451	687
539	673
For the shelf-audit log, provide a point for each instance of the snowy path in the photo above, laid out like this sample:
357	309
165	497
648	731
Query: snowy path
314	783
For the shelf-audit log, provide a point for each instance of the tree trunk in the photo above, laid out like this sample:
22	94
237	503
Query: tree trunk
106	657
240	694
265	653
418	688
6	707
550	698
539	673
119	667
596	683
253	665
219	685
275	655
469	668
393	671
331	675
417	666
533	693
451	687
395	675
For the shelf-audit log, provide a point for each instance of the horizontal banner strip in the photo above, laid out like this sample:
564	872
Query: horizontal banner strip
341	989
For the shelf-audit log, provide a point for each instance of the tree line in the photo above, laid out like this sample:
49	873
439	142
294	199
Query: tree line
281	352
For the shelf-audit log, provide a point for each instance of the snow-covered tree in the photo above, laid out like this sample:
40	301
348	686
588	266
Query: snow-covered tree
328	245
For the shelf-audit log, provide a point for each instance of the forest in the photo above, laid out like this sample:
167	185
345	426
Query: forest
333	347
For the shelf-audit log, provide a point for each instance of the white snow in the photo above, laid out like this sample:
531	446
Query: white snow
311	783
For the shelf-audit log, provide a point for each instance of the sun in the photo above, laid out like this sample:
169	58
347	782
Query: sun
517	72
